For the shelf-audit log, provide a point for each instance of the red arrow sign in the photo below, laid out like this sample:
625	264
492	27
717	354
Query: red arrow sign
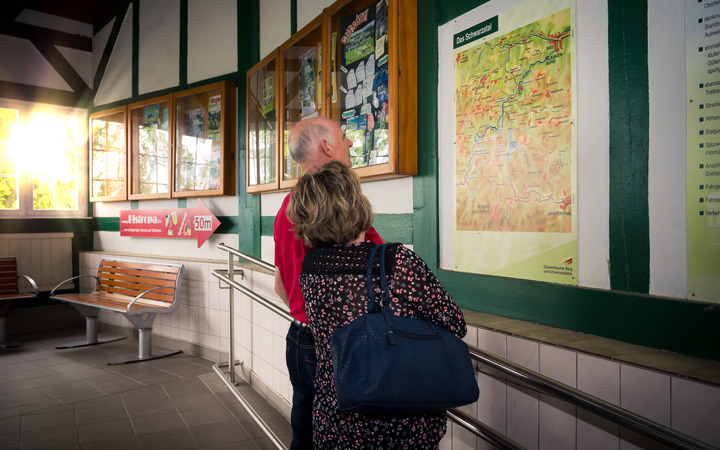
194	223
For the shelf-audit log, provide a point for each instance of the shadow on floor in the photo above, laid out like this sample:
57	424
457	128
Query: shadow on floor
71	399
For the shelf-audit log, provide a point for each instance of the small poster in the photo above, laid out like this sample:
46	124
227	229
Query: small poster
214	110
196	123
266	100
306	91
151	115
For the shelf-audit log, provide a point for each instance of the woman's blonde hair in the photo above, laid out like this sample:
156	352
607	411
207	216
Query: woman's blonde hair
328	206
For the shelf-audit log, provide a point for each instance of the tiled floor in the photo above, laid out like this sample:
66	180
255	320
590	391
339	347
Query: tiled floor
71	399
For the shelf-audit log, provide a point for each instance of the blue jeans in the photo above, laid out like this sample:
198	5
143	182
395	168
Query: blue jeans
302	364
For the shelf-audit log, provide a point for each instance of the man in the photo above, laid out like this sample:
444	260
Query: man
312	143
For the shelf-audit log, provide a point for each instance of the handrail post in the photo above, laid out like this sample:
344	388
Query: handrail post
231	310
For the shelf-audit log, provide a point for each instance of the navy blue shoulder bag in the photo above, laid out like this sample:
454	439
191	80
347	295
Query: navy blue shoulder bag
389	364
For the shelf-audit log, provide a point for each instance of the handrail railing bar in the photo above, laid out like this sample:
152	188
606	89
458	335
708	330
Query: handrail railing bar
256	417
623	417
483	431
231	313
534	380
259	298
259	262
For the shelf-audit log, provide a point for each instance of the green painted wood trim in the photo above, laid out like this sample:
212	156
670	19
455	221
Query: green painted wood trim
293	17
107	224
183	42
249	221
425	184
392	227
689	328
47	225
135	48
684	327
629	146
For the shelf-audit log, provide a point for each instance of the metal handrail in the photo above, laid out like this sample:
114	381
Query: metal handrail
527	377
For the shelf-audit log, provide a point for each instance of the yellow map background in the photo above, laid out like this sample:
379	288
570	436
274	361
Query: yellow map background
514	137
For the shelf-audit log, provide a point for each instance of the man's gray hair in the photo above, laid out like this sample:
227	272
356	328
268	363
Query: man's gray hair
301	144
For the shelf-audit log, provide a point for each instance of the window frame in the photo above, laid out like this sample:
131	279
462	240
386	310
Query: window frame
25	188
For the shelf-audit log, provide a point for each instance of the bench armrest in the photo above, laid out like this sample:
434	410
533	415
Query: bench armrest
32	283
142	294
69	280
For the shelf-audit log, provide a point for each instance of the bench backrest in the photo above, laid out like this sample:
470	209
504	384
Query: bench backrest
8	275
132	278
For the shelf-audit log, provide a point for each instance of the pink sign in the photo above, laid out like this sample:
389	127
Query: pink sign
193	223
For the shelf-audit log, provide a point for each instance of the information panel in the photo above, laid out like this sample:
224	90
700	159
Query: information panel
515	144
702	40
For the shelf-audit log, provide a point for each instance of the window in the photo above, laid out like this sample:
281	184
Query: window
42	160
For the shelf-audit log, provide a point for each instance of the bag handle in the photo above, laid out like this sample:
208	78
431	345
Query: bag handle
372	304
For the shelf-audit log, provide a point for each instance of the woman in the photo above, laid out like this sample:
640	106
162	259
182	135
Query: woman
331	215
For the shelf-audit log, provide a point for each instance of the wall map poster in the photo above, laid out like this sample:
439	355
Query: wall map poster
515	144
364	83
702	43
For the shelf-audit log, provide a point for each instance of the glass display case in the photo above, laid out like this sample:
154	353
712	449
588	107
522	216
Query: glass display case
108	150
374	82
356	63
262	126
301	93
149	147
204	157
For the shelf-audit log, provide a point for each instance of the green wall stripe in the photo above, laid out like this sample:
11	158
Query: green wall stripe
629	147
684	327
107	224
293	17
392	227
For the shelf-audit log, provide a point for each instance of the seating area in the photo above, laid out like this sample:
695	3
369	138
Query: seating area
139	291
72	399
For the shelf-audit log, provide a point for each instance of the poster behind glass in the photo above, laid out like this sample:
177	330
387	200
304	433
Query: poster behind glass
363	66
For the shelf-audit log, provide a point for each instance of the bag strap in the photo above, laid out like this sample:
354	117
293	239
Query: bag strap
372	304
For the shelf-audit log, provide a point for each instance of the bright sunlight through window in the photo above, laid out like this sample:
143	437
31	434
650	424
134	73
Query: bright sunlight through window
40	159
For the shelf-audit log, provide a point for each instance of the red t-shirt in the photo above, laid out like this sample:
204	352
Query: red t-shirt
289	254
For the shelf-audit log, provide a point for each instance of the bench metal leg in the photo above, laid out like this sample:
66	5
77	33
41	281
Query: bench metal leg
91	329
145	342
4	343
145	349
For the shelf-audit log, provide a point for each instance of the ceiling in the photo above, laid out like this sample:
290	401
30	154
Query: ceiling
95	12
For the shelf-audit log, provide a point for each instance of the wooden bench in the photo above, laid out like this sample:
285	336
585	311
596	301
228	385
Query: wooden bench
137	290
10	291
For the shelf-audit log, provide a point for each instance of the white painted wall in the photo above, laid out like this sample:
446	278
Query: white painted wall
159	50
212	38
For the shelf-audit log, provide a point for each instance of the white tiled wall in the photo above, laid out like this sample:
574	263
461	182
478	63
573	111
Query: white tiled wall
42	256
534	420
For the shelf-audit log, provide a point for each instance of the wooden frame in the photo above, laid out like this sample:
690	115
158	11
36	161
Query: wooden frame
400	64
381	119
203	143
262	170
149	124
292	54
107	159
